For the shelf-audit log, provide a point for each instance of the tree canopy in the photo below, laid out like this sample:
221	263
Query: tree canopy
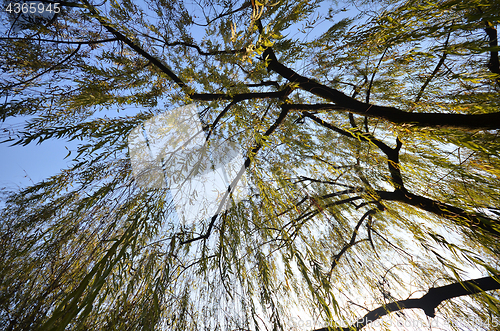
370	139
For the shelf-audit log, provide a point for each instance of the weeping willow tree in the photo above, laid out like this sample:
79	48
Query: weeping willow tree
369	133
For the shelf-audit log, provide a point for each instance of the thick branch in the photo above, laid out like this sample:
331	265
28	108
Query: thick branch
394	115
474	220
494	63
401	194
429	302
391	153
240	97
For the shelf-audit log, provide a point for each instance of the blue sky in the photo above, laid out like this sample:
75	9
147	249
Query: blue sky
25	165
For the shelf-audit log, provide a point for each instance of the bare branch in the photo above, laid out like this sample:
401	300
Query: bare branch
265	83
352	242
243	96
428	303
438	120
373	75
138	49
494	63
196	47
244	6
401	194
436	70
201	52
221	114
462	217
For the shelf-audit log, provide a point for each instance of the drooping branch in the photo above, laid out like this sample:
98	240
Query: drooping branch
138	49
345	103
218	118
368	91
48	70
189	91
237	98
352	242
76	42
320	208
258	145
436	70
429	302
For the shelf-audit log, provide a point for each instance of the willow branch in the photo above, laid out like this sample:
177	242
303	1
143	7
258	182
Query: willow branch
428	303
242	96
46	71
258	145
138	49
343	102
460	216
494	62
401	194
373	75
391	153
352	242
71	42
436	70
